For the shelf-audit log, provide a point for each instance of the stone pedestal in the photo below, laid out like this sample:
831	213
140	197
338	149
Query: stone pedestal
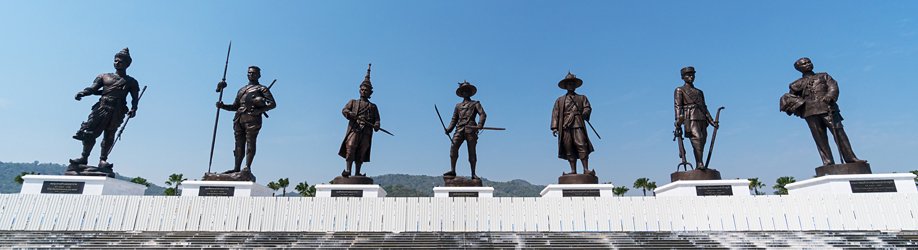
577	190
855	184
224	188
846	168
76	184
245	176
349	190
704	188
481	192
459	181
579	178
354	179
695	174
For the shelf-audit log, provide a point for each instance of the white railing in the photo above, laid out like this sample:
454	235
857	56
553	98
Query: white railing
162	213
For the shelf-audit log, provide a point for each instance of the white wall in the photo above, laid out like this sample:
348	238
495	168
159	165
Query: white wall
162	213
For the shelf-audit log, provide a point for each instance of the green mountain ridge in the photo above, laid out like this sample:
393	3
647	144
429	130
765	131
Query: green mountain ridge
396	185
9	171
403	185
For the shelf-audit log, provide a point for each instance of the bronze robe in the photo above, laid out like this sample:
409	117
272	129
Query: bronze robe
359	129
568	117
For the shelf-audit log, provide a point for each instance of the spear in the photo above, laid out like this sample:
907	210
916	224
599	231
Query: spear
220	87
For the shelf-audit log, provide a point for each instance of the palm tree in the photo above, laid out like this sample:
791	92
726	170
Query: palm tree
620	190
781	182
174	181
273	186
19	179
755	185
915	172
652	186
305	189
141	181
642	184
283	183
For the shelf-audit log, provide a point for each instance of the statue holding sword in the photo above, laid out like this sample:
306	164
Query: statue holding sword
691	112
466	130
363	120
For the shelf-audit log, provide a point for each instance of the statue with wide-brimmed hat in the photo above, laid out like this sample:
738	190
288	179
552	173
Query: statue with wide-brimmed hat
466	130
569	119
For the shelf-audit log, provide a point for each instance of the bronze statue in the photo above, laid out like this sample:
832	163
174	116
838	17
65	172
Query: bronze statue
106	116
363	119
250	104
814	98
569	119
692	114
466	128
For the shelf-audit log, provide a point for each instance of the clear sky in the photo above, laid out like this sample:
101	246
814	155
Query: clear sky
628	54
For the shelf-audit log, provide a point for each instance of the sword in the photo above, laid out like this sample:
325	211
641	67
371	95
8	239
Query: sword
677	134
385	131
121	131
442	124
213	139
580	109
491	128
713	137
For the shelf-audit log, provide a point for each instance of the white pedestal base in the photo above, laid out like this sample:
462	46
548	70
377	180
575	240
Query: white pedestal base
224	188
349	190
577	190
76	184
704	188
855	184
446	192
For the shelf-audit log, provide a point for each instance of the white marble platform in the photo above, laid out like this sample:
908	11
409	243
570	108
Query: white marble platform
855	184
578	190
224	188
77	184
446	192
349	190
694	188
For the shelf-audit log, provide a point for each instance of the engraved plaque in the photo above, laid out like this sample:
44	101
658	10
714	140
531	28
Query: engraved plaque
580	193
62	187
714	190
216	191
873	186
347	193
463	194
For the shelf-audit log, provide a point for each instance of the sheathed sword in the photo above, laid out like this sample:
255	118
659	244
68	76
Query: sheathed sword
123	126
713	137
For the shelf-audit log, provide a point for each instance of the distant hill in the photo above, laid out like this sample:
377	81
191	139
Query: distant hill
403	185
9	171
396	185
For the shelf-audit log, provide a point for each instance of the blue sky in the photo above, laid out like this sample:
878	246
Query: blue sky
628	54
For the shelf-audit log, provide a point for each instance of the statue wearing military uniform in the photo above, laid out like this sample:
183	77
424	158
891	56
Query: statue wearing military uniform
466	128
250	103
106	116
692	113
814	98
363	120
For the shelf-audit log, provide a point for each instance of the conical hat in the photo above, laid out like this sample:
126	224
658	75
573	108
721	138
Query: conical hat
465	86
570	78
